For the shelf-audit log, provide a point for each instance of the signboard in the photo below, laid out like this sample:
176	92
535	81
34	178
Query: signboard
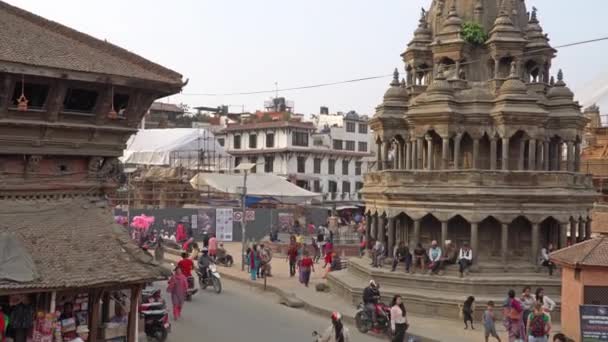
237	216
594	323
223	224
285	222
250	215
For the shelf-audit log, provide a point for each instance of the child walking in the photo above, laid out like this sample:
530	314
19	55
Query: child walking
467	312
489	322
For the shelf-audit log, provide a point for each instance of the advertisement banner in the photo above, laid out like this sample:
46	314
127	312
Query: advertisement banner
285	222
594	323
223	224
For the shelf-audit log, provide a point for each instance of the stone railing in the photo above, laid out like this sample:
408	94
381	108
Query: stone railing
479	178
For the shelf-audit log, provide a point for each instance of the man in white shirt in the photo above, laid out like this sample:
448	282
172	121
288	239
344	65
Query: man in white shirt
465	258
435	257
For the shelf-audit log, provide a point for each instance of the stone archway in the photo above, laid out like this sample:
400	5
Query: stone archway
549	233
459	231
430	229
520	239
403	225
489	239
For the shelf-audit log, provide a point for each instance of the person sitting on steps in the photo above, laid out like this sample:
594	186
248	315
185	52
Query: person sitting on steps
419	257
378	254
545	260
465	259
435	263
402	253
450	255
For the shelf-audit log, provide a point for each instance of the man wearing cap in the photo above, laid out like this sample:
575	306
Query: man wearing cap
435	257
371	295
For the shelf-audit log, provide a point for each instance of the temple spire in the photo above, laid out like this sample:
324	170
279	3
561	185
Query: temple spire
395	82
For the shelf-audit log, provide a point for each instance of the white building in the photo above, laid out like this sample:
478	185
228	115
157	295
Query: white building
328	160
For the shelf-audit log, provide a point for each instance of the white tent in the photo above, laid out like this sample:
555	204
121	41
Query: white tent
187	147
258	185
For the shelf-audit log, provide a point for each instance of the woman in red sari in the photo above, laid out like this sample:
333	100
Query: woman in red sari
178	288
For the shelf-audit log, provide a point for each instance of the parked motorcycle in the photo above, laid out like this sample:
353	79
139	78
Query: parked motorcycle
364	323
212	278
225	260
192	290
154	313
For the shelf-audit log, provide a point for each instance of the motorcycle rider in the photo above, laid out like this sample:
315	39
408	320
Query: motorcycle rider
371	296
221	252
336	332
203	262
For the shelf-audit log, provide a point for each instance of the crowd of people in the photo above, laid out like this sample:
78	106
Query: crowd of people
432	260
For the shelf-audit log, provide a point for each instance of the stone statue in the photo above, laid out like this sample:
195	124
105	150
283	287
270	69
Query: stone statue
110	169
94	165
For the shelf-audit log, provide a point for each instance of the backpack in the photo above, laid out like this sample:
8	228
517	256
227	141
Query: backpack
537	326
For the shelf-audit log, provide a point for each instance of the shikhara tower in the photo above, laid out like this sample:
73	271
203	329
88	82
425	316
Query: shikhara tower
478	142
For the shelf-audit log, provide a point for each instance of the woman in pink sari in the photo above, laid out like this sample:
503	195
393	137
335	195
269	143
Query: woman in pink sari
178	288
513	317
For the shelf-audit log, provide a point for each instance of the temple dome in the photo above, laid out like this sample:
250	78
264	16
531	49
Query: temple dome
397	91
560	90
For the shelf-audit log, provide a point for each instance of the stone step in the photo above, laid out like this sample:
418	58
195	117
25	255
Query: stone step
474	283
428	302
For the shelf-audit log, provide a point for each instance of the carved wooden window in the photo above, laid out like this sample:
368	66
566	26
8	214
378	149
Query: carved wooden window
35	93
80	100
121	101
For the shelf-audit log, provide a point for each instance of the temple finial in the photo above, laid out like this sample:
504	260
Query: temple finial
403	84
552	81
560	76
395	81
533	17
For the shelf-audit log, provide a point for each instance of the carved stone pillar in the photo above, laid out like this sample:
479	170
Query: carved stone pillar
588	230
535	243
385	148
546	158
379	155
403	148
558	155
522	155
563	234
539	155
581	230
569	156
429	152
577	157
391	236
419	152
444	233
382	230
505	153
457	140
374	232
397	159
493	153
504	243
416	237
532	155
408	156
476	153
496	68
475	241
445	152
573	230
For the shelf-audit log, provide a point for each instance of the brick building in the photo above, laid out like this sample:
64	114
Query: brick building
68	104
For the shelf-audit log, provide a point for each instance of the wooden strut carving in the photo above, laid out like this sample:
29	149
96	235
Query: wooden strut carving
32	164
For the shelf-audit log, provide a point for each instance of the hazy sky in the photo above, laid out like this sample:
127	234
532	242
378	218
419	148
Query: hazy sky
226	46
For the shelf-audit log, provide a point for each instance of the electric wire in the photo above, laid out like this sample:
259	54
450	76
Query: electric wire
362	79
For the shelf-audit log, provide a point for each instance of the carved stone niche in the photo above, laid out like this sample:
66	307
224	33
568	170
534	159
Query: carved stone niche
110	169
32	164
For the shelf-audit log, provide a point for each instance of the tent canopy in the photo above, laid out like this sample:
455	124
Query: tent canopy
174	147
258	185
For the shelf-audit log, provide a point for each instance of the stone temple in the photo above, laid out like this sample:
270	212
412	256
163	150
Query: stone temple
477	143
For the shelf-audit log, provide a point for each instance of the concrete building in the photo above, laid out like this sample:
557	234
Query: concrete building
330	161
584	288
162	115
487	151
68	104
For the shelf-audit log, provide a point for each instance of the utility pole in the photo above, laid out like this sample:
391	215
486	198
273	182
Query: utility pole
243	221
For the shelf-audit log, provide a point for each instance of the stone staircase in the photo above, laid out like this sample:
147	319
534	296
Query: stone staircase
442	295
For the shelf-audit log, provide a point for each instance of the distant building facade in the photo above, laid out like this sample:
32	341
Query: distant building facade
162	115
327	160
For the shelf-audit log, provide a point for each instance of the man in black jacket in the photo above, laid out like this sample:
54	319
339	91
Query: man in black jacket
371	295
